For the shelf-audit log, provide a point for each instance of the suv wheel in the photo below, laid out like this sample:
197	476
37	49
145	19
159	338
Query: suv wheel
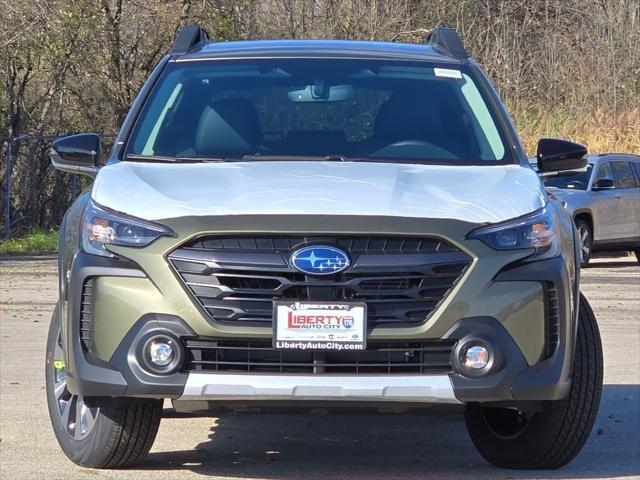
551	438
585	237
96	432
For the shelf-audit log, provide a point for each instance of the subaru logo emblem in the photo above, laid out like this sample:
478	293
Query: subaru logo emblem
320	260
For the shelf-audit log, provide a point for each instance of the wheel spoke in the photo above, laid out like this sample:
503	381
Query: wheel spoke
87	419
76	416
59	390
585	247
583	236
77	427
66	411
58	354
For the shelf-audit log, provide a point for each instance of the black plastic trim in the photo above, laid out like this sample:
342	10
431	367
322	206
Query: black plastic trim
189	37
508	361
141	381
447	40
86	374
551	378
124	375
511	378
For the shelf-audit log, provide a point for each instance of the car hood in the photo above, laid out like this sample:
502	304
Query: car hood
478	194
565	192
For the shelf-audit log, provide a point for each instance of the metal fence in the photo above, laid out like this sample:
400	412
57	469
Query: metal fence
32	193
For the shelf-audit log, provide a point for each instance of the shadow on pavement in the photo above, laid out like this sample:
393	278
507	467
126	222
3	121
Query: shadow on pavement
388	446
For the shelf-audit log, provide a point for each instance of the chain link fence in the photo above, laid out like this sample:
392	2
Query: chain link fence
32	193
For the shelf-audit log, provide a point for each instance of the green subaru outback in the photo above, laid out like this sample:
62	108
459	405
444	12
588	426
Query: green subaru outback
320	224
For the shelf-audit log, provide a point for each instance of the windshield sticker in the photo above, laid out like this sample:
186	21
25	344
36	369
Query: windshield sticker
446	72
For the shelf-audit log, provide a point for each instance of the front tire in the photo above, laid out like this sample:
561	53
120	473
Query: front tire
96	432
551	438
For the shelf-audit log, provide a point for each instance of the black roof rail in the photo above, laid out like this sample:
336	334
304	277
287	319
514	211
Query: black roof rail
448	41
188	37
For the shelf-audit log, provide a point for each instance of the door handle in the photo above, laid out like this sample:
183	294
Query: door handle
617	195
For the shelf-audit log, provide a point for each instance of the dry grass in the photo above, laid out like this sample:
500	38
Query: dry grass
600	131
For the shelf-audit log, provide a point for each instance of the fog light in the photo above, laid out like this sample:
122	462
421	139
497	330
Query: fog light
476	357
161	352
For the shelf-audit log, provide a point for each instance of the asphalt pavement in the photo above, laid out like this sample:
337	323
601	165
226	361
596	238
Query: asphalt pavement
252	446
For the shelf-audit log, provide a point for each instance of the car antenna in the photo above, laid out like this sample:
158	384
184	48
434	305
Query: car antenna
189	37
447	41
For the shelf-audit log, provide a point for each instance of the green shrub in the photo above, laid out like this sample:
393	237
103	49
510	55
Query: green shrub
36	241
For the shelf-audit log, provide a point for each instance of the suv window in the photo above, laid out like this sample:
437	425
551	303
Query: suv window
636	168
604	171
318	107
576	181
624	174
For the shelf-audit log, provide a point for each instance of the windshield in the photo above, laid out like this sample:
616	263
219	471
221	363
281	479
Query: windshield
328	108
576	181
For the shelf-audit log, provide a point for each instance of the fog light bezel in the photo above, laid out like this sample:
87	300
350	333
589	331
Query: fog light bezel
145	355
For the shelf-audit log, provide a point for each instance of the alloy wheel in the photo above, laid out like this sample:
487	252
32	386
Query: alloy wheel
78	418
585	242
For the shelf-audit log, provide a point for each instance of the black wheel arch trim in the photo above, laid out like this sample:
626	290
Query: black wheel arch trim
549	379
86	374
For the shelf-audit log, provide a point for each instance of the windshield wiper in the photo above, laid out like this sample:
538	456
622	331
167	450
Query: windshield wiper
299	158
264	158
150	158
162	158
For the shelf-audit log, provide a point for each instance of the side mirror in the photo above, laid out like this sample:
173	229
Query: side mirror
603	184
77	154
556	155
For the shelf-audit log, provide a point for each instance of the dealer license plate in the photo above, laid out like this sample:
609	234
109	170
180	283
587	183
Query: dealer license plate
319	326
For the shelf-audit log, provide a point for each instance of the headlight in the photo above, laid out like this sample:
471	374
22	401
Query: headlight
537	231
101	228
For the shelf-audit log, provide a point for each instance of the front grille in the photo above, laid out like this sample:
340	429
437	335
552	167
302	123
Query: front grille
259	357
86	313
236	279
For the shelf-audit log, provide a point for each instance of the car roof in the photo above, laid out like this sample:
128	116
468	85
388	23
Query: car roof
319	49
601	157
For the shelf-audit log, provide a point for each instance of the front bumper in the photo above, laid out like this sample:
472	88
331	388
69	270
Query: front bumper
502	304
512	379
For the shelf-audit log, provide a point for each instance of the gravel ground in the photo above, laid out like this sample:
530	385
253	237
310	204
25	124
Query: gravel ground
308	446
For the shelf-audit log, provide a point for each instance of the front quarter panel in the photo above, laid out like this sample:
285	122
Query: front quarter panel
570	253
69	244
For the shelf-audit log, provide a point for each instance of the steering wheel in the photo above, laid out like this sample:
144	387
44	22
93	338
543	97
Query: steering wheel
414	149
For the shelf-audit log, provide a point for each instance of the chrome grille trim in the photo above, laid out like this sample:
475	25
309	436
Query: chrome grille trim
402	280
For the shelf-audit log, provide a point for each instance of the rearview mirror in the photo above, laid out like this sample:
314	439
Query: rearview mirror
321	92
555	155
77	154
603	184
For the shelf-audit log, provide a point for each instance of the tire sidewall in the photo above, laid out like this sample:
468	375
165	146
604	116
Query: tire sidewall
538	445
91	450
